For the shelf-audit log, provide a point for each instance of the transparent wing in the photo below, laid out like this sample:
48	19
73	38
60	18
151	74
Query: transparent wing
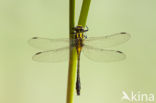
102	55
108	41
48	44
57	55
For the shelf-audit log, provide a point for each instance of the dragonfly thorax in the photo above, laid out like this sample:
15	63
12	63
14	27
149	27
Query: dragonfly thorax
79	36
79	32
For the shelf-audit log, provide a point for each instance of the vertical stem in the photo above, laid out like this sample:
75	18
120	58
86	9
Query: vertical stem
84	12
73	56
71	15
73	53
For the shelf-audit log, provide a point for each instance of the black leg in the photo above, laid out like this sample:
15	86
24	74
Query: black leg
87	27
73	28
73	33
85	30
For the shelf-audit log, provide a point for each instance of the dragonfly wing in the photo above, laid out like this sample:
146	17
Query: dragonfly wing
48	44
108	40
57	55
102	55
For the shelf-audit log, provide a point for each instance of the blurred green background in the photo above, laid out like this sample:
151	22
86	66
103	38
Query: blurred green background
25	81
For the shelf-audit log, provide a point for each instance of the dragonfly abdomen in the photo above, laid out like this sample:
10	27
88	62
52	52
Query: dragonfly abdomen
78	83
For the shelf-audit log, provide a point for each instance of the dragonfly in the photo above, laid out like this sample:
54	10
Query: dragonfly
94	48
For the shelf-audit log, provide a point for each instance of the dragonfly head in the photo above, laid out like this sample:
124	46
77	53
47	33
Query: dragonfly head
79	28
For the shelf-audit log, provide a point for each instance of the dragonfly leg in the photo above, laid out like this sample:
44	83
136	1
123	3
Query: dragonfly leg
73	33
86	29
85	36
74	28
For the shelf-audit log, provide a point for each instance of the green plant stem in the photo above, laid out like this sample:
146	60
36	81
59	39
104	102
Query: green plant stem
84	12
71	16
73	55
